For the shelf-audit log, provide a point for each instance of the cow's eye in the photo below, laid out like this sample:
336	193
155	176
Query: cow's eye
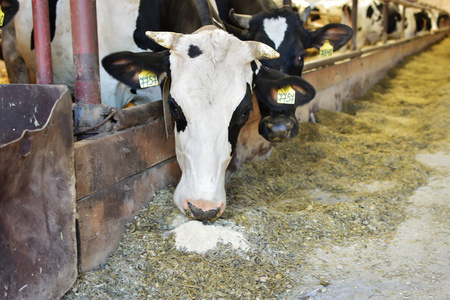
174	108
246	114
177	114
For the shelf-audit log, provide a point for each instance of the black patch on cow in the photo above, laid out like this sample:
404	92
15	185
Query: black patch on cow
52	20
423	22
176	16
254	66
177	114
239	118
370	12
194	51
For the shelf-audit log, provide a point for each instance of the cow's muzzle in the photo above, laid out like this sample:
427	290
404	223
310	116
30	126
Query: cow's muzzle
197	213
278	128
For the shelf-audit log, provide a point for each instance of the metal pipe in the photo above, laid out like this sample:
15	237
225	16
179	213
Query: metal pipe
42	43
287	2
385	20
354	22
85	51
402	32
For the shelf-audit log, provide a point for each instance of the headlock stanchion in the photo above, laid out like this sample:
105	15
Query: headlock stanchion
85	51
41	24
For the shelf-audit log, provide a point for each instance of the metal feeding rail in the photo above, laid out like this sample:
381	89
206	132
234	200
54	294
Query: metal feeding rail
85	48
311	65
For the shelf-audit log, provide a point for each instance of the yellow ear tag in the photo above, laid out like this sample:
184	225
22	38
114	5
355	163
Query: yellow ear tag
286	95
326	49
147	79
2	16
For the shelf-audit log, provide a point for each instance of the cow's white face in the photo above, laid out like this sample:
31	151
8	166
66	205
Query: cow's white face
210	98
207	103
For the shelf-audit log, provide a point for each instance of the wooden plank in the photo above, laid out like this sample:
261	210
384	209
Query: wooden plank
108	158
102	216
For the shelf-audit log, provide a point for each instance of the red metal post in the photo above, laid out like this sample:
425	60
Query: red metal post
41	24
85	51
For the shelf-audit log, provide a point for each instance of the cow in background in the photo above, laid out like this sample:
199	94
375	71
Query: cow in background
370	27
283	30
280	28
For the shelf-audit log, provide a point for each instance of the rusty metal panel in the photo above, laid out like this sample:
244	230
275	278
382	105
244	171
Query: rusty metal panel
103	215
37	192
108	158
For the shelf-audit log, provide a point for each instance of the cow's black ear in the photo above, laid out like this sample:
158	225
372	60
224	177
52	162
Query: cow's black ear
240	33
337	34
269	82
8	8
138	70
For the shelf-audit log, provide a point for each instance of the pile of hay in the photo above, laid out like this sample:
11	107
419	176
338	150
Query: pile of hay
344	178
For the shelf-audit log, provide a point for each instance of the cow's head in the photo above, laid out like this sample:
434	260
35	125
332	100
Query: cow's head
278	97
283	30
210	99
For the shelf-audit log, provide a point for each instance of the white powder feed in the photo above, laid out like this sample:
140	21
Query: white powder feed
194	236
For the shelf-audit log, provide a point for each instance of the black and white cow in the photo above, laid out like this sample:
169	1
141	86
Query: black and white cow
121	26
370	21
213	75
135	17
282	29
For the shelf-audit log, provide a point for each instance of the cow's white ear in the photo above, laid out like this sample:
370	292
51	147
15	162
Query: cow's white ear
262	51
164	38
305	14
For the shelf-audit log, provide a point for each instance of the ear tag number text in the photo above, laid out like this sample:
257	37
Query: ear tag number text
326	49
2	16
147	79
286	95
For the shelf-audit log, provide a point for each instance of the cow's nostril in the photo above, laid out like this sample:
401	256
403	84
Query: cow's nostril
199	214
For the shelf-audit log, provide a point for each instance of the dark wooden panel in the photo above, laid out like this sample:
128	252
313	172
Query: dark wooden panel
108	158
102	216
38	258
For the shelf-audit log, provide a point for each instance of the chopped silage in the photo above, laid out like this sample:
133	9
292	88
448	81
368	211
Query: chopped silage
344	178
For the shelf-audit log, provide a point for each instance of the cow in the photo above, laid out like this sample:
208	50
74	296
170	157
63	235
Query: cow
134	17
213	75
419	21
283	30
280	28
370	21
